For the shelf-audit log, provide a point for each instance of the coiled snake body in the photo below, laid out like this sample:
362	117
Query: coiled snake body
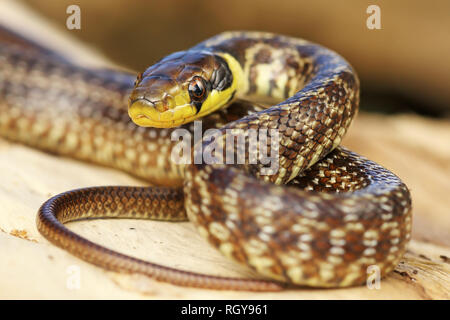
321	219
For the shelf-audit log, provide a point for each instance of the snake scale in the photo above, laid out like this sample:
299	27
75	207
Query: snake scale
320	220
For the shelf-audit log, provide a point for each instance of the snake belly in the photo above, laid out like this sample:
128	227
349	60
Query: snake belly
321	220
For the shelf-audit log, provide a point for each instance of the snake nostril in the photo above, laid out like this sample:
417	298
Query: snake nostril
168	101
141	108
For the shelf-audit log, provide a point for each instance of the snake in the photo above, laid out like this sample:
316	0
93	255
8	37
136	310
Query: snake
321	218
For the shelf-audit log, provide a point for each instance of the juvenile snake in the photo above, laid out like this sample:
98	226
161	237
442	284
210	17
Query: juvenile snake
320	220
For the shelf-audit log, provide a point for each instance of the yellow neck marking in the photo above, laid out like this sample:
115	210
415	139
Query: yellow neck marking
218	99
239	81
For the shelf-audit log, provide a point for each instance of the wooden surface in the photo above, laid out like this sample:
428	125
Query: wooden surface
415	148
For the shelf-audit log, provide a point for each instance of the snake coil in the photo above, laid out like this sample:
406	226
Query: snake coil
321	220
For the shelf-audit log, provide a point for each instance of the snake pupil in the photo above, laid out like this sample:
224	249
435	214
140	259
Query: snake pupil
197	89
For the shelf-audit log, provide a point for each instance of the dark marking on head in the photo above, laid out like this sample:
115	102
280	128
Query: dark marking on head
197	105
222	78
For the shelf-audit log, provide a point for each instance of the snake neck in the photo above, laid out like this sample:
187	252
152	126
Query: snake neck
239	84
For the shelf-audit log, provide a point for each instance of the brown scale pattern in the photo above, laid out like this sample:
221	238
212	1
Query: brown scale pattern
125	202
338	214
332	231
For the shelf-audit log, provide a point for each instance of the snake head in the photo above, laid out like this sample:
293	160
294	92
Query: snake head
180	88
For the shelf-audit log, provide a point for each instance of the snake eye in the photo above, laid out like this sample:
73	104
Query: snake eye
197	89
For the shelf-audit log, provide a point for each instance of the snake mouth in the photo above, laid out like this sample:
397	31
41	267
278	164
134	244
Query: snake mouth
146	113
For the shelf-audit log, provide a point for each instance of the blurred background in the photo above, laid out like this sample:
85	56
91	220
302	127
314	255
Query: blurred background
404	67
